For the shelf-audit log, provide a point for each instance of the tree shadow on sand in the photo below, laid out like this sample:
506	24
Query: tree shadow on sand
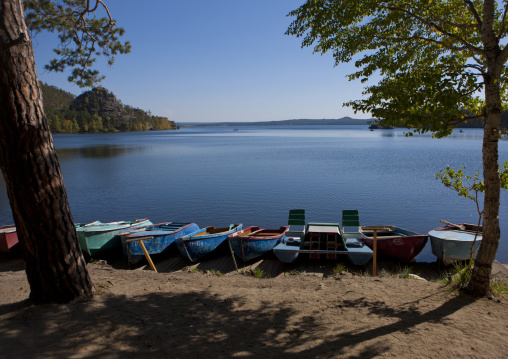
195	324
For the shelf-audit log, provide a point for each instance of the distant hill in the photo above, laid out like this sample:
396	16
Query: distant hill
96	111
341	121
476	123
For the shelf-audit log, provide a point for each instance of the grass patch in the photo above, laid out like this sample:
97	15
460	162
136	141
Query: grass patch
499	288
259	273
405	271
459	277
216	272
461	274
338	269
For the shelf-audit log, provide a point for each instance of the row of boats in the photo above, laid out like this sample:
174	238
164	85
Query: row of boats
141	238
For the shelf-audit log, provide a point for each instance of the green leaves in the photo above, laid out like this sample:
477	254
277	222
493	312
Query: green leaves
83	35
468	186
455	180
430	55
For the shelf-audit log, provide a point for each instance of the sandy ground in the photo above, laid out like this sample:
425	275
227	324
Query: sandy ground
186	314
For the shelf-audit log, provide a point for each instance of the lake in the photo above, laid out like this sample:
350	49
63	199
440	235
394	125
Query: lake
218	176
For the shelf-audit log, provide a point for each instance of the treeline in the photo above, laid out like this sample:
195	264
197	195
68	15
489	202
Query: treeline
96	111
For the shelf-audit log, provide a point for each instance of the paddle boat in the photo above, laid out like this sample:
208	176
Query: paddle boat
253	242
95	238
397	243
326	240
453	242
156	238
203	242
8	238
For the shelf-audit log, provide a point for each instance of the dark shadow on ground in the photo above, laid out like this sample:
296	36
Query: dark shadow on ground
196	324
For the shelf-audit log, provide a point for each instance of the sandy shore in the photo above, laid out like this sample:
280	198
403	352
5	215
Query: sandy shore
186	314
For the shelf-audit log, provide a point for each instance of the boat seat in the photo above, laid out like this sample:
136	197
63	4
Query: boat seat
296	220
350	221
314	244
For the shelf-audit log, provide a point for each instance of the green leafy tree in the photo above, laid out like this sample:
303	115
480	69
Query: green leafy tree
441	63
55	267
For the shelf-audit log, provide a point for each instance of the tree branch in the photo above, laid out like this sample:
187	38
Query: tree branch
436	27
473	11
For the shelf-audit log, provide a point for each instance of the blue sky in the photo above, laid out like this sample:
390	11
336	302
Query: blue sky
216	61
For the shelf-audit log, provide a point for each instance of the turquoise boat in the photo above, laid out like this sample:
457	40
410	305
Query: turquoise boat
95	238
156	238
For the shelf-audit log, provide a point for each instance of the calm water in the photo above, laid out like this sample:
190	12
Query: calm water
217	176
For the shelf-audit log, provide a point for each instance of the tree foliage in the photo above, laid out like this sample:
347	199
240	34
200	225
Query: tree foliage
83	35
95	111
430	55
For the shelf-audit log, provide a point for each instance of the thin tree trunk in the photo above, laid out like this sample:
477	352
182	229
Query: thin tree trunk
480	280
55	266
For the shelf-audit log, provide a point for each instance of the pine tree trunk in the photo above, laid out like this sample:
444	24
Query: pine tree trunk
55	266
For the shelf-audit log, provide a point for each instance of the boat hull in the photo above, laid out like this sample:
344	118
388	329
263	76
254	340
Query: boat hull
451	245
203	242
287	252
398	243
100	238
8	238
156	238
254	242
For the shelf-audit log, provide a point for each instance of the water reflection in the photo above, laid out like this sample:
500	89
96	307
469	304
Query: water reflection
101	151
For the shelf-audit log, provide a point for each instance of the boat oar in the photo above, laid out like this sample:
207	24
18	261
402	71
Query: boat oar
232	254
135	231
459	226
147	256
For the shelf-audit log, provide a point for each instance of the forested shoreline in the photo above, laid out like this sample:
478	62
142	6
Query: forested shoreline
96	111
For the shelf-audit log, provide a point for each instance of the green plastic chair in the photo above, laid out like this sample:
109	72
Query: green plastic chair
296	218
351	221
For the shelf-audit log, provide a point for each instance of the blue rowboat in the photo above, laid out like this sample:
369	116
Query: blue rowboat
324	240
156	238
200	243
253	242
453	243
95	238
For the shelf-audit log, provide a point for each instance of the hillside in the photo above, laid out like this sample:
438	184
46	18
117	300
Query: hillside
95	111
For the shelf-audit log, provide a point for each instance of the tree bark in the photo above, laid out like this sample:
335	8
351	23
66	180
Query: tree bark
55	266
480	280
479	284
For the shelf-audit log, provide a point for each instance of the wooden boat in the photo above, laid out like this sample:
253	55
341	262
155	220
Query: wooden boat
156	238
96	238
202	242
453	242
325	240
8	238
253	242
396	243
